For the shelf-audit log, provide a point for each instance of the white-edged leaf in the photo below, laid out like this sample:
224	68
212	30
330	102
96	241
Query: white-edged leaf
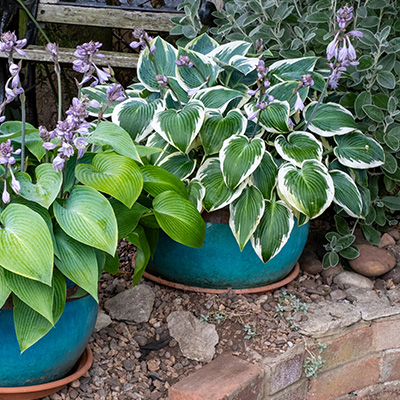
245	214
347	194
264	176
226	52
196	193
356	150
308	190
299	146
203	44
291	69
239	157
217	98
178	164
273	231
243	64
284	92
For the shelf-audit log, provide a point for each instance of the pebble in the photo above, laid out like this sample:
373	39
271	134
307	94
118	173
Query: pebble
337	295
348	279
386	240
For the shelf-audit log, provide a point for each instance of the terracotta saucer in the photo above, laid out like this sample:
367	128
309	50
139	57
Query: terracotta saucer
257	290
46	389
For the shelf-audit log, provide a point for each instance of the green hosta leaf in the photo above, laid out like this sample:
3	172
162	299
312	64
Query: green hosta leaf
116	175
227	51
330	119
33	143
275	118
284	91
273	231
26	245
216	128
347	194
157	180
4	289
191	78
203	44
245	214
178	164
177	90
356	150
88	217
112	135
30	326
179	219
47	186
217	98
77	262
239	157
165	55
308	190
135	116
291	69
111	264
218	195
13	129
244	64
196	193
35	294
180	128
264	176
299	146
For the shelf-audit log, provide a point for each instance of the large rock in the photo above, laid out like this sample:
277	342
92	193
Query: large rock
373	261
103	320
134	304
347	279
196	339
310	263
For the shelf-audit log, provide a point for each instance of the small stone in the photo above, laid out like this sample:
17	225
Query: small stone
337	295
153	365
310	263
75	384
373	261
140	340
127	387
386	240
266	306
394	233
330	273
103	320
393	274
129	364
73	394
347	279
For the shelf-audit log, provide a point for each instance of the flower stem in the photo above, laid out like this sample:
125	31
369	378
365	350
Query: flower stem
59	90
23	117
3	205
318	103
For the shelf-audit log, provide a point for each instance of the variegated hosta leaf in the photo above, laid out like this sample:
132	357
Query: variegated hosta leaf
165	55
284	91
298	146
191	78
47	186
356	150
292	69
178	164
116	175
178	90
308	190
275	118
273	231
196	193
135	116
264	176
227	51
330	119
179	128
217	98
347	194
239	157
217	128
156	141
244	64
203	44
218	195
245	214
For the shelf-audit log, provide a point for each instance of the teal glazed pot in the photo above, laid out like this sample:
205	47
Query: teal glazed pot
53	356
219	264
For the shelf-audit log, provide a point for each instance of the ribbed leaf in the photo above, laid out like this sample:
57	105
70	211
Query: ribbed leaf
13	129
346	193
308	190
203	44
178	164
77	262
135	116
291	69
157	180
216	128
245	214
165	55
218	195
356	150
180	127
284	91
196	193
298	146
116	175
179	219
30	326
25	243
217	98
264	177
88	217
47	186
273	231
239	157
227	51
4	289
330	119
33	143
112	135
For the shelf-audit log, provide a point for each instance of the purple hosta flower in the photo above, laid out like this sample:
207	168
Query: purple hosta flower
6	158
9	42
52	48
115	93
298	105
261	105
162	80
5	196
253	92
335	75
307	80
2	119
80	143
332	49
344	16
13	85
184	61
143	40
261	69
192	92
58	163
259	45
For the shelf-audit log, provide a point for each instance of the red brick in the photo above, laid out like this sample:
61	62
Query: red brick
390	366
386	334
344	379
389	391
297	391
225	378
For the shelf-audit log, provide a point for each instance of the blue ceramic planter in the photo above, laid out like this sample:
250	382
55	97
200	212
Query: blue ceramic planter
53	356
219	264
